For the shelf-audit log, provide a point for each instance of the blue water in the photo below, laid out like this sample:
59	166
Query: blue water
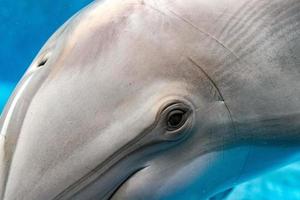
27	24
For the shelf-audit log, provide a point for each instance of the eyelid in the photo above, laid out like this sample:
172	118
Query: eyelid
176	105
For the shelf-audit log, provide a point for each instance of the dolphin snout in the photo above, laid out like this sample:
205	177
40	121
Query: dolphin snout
53	155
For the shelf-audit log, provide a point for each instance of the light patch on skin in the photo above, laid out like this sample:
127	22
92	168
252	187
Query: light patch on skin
12	107
100	14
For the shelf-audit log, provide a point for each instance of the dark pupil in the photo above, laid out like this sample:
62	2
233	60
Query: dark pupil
175	119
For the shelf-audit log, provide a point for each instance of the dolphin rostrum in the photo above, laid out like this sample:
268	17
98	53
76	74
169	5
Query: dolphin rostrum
156	100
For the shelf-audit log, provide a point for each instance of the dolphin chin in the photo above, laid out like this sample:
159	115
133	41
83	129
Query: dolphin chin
123	183
87	193
155	100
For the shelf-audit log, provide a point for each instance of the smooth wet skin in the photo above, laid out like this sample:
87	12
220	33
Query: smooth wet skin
156	100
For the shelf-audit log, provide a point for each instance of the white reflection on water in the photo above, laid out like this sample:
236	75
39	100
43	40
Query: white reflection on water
283	184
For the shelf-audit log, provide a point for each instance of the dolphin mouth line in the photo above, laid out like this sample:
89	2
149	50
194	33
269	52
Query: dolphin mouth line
91	177
122	183
110	194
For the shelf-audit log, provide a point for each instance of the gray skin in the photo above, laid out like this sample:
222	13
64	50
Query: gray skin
89	119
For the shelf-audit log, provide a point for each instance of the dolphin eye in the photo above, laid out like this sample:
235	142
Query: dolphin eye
176	118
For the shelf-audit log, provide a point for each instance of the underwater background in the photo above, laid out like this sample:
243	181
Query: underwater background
25	25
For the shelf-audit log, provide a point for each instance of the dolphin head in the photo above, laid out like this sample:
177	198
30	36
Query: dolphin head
117	106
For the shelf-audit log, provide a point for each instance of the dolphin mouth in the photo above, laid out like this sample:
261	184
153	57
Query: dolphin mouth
67	194
122	183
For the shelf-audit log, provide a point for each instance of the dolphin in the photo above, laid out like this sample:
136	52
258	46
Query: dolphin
156	100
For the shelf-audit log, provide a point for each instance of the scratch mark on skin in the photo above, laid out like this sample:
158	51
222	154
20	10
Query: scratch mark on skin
238	58
156	9
204	32
194	26
216	87
208	77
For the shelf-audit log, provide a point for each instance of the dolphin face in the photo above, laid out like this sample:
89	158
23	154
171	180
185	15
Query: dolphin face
111	109
97	107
